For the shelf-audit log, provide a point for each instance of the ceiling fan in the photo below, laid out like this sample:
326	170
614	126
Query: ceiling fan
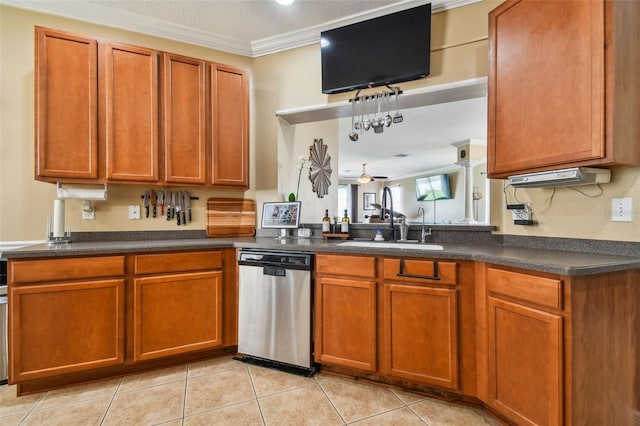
365	178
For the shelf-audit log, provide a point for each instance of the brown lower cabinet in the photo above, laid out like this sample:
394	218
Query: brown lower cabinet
396	320
558	350
533	348
78	319
345	311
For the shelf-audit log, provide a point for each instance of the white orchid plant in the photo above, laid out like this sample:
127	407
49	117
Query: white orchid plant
302	163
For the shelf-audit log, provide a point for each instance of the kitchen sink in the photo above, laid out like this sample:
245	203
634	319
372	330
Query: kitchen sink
389	244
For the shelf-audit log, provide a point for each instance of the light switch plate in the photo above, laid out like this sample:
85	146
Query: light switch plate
621	209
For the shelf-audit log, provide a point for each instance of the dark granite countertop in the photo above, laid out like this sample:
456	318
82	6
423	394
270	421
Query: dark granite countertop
563	262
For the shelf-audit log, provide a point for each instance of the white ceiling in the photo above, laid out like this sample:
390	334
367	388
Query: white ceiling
258	27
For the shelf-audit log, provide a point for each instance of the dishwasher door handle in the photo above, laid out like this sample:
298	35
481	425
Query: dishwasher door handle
274	271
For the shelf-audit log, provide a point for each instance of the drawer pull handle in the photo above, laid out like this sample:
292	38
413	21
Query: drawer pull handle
424	277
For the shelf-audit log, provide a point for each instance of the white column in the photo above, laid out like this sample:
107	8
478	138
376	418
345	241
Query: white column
468	192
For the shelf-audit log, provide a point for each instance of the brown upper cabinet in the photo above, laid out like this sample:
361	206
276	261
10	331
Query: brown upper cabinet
563	85
229	134
184	119
128	116
111	112
66	101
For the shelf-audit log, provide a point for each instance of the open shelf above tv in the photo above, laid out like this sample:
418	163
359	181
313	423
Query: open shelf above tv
430	95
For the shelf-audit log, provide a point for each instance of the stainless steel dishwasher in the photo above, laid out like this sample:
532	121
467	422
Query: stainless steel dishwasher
275	309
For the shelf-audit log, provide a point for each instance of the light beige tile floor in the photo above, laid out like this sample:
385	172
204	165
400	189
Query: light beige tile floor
227	392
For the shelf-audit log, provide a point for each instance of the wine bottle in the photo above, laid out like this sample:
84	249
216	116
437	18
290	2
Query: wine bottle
326	222
344	226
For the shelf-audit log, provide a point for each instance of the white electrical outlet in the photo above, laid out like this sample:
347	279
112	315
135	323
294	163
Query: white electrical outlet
88	212
134	212
621	209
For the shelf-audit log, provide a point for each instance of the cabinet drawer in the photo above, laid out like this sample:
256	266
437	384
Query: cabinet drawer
23	271
353	266
177	262
530	288
419	270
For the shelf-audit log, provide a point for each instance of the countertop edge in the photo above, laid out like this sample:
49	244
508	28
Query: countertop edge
533	259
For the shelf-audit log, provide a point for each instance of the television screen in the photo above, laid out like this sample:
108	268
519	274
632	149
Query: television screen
384	50
432	188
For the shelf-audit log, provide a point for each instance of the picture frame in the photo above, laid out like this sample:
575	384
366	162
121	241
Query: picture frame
281	214
368	198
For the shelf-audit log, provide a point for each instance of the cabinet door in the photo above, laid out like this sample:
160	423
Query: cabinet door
129	112
546	85
346	322
66	98
184	119
175	314
230	126
66	327
525	363
421	334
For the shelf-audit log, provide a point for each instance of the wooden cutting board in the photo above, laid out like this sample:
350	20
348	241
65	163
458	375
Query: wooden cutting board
231	217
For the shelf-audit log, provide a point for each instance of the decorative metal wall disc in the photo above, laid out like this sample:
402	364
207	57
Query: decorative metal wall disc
320	168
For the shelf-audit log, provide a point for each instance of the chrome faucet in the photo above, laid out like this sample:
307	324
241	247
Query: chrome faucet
386	190
423	234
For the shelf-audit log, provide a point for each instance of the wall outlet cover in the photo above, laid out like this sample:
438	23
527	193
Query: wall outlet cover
134	212
621	209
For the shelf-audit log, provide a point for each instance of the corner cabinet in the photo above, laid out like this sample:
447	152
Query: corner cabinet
66	105
116	113
563	91
66	316
557	350
526	349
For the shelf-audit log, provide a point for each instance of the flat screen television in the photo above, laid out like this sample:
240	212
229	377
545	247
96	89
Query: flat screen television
384	50
433	188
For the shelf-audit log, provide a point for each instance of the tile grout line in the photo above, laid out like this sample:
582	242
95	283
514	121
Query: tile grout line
419	416
30	410
253	386
184	398
104	416
329	399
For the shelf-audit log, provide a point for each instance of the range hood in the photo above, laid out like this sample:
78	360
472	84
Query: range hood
563	177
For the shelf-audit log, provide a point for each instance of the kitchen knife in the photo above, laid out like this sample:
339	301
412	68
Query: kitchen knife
178	206
169	199
153	200
161	202
147	198
187	205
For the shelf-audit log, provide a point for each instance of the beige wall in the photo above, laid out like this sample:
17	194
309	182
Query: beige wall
285	80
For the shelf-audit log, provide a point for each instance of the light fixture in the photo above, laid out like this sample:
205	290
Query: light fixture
285	2
364	177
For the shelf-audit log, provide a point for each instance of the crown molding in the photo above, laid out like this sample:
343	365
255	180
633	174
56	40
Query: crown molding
100	15
311	35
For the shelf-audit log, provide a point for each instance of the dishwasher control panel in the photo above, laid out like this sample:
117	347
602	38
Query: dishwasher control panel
283	259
